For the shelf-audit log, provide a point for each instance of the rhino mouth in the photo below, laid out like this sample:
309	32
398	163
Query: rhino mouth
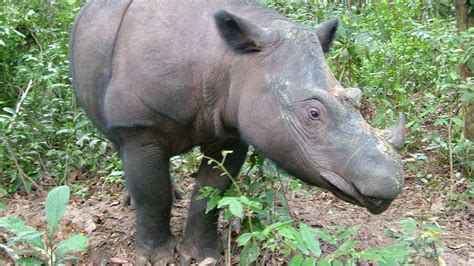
348	192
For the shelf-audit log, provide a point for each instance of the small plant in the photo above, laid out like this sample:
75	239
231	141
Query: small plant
43	247
269	226
422	239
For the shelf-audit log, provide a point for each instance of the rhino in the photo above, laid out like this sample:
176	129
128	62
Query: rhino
161	77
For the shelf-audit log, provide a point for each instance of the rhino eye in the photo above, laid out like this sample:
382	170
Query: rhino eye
314	114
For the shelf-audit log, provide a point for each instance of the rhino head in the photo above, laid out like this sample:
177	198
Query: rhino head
285	101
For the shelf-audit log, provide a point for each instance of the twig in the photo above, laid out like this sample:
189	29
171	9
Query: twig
450	150
18	105
220	165
42	164
36	41
65	180
10	252
287	207
21	173
229	253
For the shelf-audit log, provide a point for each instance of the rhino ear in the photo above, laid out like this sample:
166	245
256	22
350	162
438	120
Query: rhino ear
240	34
326	33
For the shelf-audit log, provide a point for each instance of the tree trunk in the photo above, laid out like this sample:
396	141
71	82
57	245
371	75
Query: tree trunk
465	20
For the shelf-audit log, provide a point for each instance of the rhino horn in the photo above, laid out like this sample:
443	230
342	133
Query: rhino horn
396	134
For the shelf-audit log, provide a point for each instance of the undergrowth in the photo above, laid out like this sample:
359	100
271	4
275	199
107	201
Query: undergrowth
258	205
402	54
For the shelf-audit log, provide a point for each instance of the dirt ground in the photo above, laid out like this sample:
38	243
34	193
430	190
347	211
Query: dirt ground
110	226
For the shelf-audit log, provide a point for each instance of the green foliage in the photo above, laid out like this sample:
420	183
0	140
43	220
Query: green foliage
56	203
43	133
418	238
44	248
267	226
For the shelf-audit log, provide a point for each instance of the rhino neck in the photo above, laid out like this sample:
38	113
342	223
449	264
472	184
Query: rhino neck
220	94
237	88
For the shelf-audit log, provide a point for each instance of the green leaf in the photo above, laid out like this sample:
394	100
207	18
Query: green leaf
300	242
323	262
103	147
296	260
348	245
29	261
258	235
325	236
71	259
287	233
309	262
311	242
56	203
73	243
275	226
212	203
225	201
243	239
71	2
453	75
349	232
17	226
248	255
372	254
28	237
236	208
9	110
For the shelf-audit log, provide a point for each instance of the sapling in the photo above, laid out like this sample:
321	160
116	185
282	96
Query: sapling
43	246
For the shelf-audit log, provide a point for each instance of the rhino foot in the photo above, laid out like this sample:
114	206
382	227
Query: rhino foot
160	256
204	256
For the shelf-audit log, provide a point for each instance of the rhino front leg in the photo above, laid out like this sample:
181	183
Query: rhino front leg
201	239
149	185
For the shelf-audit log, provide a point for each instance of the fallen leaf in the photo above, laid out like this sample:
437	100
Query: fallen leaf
207	262
73	176
118	261
437	206
82	221
456	246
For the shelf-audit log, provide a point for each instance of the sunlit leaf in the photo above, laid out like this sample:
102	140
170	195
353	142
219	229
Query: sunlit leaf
236	208
243	239
56	203
349	232
248	255
296	260
73	243
311	242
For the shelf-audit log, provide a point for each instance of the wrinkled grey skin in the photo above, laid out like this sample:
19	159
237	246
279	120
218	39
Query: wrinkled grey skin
160	77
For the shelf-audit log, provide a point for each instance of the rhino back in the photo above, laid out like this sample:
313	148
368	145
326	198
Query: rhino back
158	64
157	70
91	51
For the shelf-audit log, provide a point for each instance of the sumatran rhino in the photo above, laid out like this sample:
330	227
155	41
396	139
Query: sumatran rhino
160	77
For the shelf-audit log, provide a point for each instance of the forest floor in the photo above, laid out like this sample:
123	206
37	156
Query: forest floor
110	225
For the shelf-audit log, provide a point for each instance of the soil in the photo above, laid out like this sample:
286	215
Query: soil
110	225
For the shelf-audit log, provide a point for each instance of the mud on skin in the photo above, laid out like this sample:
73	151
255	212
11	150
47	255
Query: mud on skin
160	77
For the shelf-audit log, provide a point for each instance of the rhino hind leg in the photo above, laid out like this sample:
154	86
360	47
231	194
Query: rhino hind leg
201	239
148	182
